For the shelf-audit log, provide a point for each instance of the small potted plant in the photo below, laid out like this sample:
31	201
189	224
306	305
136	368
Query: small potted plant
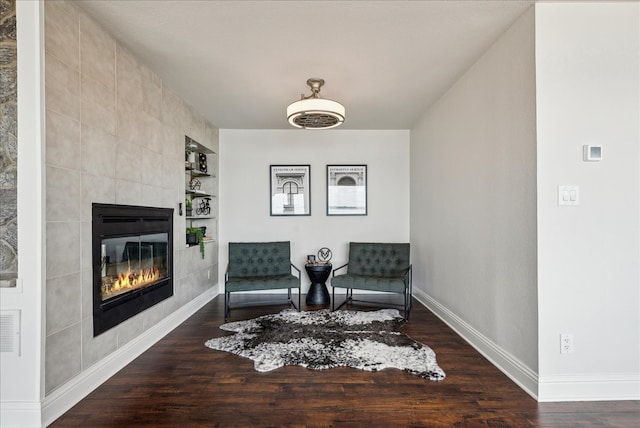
192	237
188	207
195	236
189	157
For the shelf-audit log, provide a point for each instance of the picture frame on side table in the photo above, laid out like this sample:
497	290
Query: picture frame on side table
290	190
346	189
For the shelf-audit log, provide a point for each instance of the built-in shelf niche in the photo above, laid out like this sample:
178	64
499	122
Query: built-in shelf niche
206	190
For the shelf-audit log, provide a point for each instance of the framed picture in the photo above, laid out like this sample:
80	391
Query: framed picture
290	190
346	190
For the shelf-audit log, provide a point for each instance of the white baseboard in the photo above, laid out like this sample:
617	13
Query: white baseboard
69	394
22	414
517	371
603	387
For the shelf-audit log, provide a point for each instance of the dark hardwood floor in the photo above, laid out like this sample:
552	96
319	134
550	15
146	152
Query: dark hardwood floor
181	383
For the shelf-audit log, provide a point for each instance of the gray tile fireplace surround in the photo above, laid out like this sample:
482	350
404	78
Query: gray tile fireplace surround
115	134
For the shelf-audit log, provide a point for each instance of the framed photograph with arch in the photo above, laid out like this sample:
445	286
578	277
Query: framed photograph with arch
290	190
346	190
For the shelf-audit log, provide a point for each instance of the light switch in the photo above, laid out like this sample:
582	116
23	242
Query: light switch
592	153
568	196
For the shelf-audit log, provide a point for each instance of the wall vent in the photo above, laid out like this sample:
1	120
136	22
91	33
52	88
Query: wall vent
10	332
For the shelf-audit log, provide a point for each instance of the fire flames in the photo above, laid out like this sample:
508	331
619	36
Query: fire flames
130	280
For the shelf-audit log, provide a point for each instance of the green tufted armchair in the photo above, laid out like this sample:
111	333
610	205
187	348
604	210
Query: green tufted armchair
255	266
376	267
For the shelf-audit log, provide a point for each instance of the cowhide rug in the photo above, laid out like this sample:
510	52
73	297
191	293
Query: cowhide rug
324	339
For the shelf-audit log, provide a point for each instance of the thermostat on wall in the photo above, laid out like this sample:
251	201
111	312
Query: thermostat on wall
592	153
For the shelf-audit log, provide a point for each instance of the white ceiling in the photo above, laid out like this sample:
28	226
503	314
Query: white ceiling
240	63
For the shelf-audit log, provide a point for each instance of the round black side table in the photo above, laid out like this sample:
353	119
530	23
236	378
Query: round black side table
318	274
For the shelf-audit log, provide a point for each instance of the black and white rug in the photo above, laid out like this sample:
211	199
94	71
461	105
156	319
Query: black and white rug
324	339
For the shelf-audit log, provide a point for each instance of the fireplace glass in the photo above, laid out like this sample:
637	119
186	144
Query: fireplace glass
132	262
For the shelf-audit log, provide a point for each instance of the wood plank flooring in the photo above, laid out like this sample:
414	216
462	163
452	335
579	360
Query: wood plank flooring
180	383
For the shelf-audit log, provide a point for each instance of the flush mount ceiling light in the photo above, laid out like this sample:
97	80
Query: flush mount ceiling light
313	112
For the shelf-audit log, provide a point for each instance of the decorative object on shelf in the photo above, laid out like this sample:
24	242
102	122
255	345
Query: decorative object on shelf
190	154
346	190
191	237
188	207
202	158
311	259
194	184
197	231
190	147
290	190
313	112
324	255
205	207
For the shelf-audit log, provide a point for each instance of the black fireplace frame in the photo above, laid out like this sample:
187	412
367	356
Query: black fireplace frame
113	221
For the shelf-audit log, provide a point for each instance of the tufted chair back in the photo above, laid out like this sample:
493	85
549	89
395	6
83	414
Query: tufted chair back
250	259
378	259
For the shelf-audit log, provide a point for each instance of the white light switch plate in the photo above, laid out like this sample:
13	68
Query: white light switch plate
568	196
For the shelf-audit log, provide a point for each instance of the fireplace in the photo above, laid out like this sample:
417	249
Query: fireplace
132	253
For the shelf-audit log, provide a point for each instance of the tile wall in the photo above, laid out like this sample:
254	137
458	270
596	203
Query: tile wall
114	134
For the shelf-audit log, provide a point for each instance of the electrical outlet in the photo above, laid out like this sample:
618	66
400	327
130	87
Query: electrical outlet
566	343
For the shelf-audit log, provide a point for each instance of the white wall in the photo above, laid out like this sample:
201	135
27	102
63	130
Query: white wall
21	388
588	92
244	189
473	205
